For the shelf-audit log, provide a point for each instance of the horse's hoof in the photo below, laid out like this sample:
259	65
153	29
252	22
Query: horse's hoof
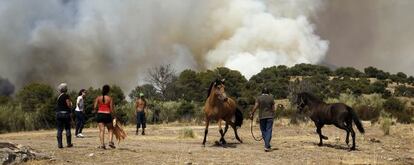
324	138
352	149
320	144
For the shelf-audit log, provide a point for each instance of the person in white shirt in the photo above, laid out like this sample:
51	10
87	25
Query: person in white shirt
80	114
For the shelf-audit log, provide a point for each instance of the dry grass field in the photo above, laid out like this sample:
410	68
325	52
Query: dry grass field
163	144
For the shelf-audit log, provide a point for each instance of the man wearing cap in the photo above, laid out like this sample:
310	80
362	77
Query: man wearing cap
140	106
266	105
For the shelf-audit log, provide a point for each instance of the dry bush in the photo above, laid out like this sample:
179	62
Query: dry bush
187	133
386	123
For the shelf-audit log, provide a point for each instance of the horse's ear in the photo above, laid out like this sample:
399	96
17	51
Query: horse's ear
222	80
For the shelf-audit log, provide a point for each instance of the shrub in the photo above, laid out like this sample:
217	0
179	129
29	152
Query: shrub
4	100
369	107
14	118
397	109
125	113
386	125
185	111
168	110
187	133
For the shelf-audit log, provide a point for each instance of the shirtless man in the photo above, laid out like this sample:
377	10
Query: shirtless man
140	106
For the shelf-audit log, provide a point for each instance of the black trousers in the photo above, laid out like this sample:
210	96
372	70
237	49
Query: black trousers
63	122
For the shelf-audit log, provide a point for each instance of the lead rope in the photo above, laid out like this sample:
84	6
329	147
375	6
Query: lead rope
251	131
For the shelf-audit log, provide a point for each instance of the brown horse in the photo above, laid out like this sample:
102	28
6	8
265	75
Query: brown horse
337	114
220	107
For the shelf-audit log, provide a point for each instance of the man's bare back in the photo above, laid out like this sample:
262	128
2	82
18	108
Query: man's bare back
140	105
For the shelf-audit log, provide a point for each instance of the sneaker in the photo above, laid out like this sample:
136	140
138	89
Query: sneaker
80	135
102	147
268	149
70	145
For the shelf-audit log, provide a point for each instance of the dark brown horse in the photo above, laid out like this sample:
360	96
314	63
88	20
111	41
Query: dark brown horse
337	114
220	107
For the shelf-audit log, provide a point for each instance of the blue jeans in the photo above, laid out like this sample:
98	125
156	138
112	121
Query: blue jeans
266	126
80	121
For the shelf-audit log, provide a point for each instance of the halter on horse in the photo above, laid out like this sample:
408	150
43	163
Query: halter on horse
220	107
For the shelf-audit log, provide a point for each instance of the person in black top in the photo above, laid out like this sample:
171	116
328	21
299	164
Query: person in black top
63	117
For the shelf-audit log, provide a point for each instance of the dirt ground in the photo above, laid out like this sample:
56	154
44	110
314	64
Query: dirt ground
295	144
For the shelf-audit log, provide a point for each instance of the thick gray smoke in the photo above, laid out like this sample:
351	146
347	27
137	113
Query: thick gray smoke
6	87
92	42
369	33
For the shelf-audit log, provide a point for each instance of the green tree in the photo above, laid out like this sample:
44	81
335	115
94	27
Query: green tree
234	81
117	95
172	91
188	85
376	73
149	91
309	70
399	77
405	91
378	87
35	95
38	103
348	72
275	78
410	80
90	97
206	78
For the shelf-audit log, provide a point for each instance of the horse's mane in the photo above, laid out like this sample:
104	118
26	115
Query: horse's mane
310	97
209	89
215	82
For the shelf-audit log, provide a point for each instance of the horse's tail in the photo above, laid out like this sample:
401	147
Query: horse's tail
356	120
239	117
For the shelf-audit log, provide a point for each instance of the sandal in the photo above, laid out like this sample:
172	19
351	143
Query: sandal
102	147
112	145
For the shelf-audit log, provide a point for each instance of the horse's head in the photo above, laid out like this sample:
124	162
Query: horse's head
217	89
301	101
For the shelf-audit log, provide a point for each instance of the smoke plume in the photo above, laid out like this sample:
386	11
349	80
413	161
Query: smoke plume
366	33
89	43
6	87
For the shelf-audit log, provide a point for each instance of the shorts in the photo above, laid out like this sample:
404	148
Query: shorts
104	118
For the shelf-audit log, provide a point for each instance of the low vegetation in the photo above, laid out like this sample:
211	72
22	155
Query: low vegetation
180	97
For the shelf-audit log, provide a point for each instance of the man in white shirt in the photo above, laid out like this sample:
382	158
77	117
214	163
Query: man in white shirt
80	114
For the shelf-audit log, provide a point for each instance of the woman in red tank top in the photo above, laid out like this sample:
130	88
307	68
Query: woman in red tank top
104	116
